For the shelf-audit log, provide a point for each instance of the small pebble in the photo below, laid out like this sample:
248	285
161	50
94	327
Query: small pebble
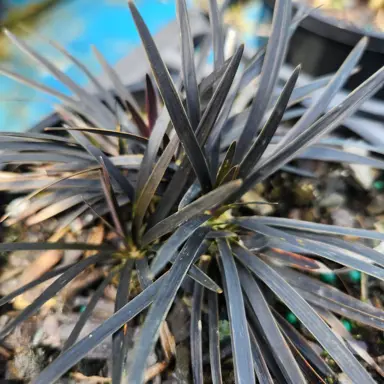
347	325
333	199
376	206
291	318
343	379
354	275
364	174
378	185
342	217
329	278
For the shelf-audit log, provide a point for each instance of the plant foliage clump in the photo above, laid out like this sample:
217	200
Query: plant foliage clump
166	182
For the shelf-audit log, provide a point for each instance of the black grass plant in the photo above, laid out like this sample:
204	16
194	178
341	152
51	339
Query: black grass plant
166	178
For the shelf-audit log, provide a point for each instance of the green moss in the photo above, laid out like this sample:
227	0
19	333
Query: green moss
224	329
12	234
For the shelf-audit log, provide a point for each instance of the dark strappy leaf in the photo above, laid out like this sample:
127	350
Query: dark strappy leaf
203	279
74	354
118	85
253	69
214	341
51	91
161	305
332	88
173	103
337	349
154	143
111	199
32	136
199	206
170	247
209	81
115	173
91	102
143	273
169	251
231	175
325	124
217	34
138	120
284	356
193	191
102	219
205	126
331	298
362	250
268	357
188	65
150	187
338	327
274	56
87	313
104	94
196	330
120	338
323	153
42	246
318	227
270	127
215	154
38	157
260	366
303	346
328	251
105	132
150	103
241	345
43	146
172	193
226	163
215	104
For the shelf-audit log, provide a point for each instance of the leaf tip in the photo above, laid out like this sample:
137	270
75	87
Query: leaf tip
131	5
364	41
238	183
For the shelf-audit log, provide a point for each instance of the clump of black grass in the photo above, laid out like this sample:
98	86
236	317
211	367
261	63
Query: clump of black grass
166	183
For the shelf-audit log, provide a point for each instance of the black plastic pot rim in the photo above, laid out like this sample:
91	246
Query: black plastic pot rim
336	29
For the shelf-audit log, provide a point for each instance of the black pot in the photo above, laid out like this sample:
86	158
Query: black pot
321	44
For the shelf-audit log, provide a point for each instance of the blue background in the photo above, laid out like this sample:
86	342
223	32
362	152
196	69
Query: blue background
76	25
